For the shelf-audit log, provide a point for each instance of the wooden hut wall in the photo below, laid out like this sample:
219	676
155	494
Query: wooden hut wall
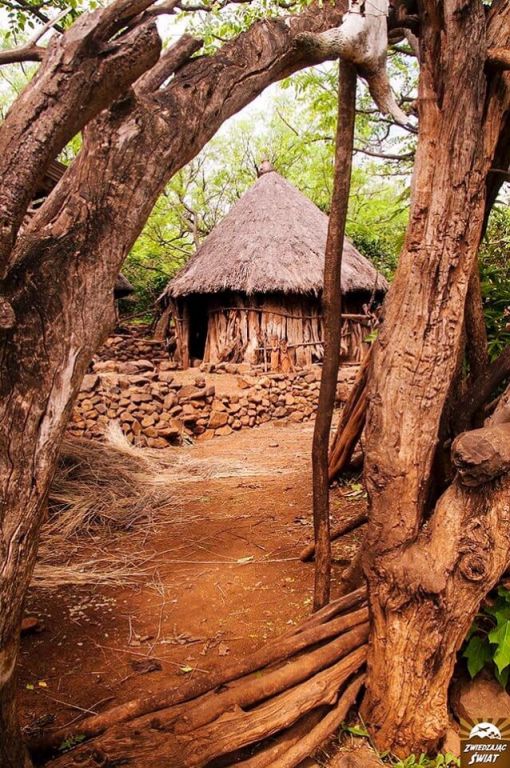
248	327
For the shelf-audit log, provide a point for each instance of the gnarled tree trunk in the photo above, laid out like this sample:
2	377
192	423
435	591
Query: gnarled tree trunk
57	276
427	570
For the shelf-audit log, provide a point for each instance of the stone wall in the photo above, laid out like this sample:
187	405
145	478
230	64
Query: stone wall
155	407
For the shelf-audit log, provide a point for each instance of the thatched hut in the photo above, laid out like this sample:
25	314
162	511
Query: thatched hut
252	291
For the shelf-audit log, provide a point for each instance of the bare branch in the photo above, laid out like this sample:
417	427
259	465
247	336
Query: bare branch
51	23
385	156
31	51
171	59
501	172
24	53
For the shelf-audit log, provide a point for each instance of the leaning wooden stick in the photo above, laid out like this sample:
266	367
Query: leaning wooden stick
332	298
351	423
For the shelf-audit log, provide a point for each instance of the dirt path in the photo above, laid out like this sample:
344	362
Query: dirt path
221	575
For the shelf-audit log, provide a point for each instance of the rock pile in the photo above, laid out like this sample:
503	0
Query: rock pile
154	408
133	344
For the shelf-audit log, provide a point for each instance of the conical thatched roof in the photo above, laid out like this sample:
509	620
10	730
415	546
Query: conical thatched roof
272	240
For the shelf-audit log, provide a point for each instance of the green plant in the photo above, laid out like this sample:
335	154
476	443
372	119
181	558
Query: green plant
71	741
447	760
488	642
495	279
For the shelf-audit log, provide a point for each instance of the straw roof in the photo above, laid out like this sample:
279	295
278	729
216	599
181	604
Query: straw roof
272	240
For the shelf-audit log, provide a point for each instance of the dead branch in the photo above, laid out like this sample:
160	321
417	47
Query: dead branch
351	424
233	731
318	628
280	745
289	698
247	692
31	51
345	603
324	729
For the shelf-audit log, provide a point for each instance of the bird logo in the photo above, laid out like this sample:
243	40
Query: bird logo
485	731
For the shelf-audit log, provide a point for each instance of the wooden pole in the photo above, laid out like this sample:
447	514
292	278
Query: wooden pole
332	310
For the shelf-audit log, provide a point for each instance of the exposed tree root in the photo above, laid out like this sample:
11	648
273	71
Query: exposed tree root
294	692
281	744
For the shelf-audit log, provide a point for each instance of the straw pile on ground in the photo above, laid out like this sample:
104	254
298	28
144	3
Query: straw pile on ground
100	488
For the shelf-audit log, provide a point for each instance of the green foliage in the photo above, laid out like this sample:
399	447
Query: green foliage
495	278
294	130
222	21
488	643
71	741
447	760
24	16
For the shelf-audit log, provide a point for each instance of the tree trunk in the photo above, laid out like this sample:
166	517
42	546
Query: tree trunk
431	593
58	277
332	310
427	574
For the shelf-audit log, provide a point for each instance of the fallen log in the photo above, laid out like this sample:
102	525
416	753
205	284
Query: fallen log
247	692
323	730
281	744
344	603
342	529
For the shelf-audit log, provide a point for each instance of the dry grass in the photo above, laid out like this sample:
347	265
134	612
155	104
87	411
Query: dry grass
251	251
110	484
101	488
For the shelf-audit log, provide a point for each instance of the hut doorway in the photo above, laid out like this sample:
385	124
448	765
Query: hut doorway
198	321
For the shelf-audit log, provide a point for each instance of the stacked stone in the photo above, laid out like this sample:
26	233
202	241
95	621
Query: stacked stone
134	345
154	409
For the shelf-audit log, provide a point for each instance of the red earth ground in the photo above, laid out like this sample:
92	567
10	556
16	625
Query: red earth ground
221	574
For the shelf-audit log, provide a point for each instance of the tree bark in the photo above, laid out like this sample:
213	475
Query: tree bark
427	570
56	302
332	315
88	71
476	331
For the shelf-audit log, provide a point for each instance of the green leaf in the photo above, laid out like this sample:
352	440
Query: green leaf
477	653
501	637
502	677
